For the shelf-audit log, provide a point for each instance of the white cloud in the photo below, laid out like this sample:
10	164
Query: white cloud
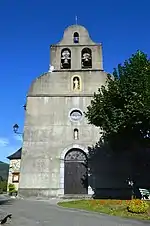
4	142
18	137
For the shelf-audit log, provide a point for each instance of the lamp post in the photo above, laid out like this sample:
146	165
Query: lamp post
16	128
131	184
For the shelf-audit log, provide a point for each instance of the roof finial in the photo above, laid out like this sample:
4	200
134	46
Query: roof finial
76	19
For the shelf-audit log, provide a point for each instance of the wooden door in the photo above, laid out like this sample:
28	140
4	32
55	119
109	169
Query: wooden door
75	173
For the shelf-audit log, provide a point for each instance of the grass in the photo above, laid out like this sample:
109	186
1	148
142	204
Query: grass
111	207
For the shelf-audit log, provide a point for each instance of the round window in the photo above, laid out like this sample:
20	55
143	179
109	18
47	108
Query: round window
76	115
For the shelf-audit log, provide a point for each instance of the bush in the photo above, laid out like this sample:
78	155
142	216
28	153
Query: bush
137	206
12	189
3	186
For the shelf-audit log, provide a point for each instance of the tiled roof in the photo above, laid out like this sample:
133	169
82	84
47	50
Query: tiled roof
16	155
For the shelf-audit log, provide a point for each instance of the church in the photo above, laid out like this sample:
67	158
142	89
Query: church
56	133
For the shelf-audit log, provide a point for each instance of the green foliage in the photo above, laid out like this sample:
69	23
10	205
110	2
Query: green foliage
122	107
4	169
11	188
3	186
137	206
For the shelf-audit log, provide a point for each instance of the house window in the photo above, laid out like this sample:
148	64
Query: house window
15	177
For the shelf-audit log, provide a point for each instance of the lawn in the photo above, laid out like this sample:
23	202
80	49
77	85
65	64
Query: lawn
111	207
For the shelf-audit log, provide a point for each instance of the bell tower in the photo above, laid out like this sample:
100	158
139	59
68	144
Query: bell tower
55	129
76	51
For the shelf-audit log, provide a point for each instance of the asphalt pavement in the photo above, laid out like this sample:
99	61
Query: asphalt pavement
46	213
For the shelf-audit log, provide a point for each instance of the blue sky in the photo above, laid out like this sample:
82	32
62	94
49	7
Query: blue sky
27	28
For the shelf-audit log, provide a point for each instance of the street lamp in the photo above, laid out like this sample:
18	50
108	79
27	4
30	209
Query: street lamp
15	126
15	129
131	184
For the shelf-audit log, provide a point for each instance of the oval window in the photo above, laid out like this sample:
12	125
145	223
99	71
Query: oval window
76	115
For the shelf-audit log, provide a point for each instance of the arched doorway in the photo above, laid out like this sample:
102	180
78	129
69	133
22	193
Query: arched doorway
75	172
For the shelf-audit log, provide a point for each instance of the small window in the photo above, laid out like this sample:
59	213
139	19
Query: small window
66	59
86	58
76	37
76	134
15	178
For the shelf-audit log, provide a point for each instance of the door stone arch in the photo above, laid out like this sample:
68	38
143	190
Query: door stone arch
75	172
62	166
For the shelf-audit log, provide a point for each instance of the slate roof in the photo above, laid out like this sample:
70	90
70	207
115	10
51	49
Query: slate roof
16	155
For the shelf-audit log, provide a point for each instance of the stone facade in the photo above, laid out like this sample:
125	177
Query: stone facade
51	128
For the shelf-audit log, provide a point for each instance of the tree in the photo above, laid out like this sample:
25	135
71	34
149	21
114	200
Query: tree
3	186
121	109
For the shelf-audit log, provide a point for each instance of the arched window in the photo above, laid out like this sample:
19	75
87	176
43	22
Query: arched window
86	58
76	134
66	59
76	37
76	83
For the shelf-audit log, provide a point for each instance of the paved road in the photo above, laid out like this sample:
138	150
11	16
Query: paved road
42	213
3	198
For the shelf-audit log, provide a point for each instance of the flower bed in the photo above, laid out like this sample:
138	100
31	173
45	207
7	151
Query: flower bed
111	207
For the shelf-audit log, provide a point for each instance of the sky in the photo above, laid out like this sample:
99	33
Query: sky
29	27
